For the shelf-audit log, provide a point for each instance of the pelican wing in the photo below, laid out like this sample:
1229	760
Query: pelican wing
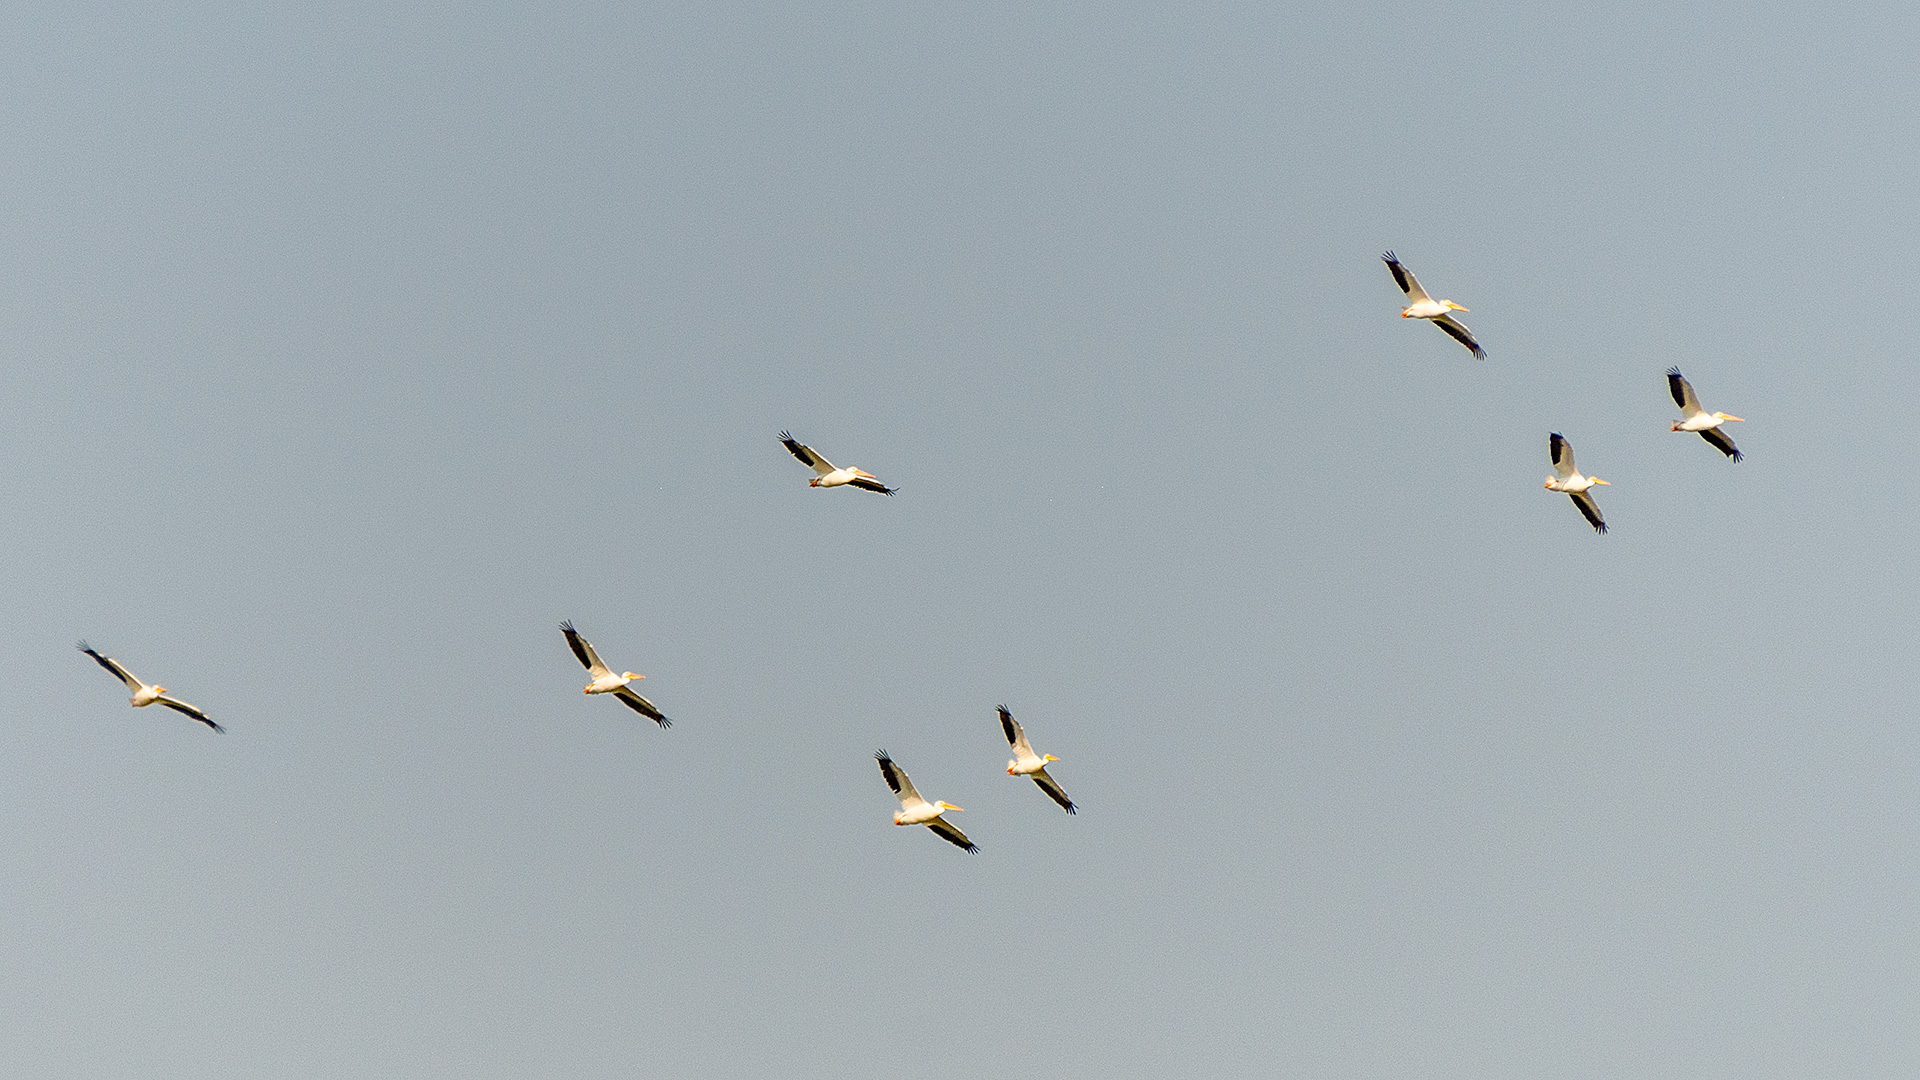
896	778
1590	509
1561	452
951	833
1016	735
1052	787
642	706
1721	443
1682	392
583	650
1460	334
869	483
113	665
806	455
177	705
1404	278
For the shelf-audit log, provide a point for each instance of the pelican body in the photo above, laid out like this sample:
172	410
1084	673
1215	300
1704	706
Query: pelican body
1568	479
915	810
1030	764
1696	419
144	695
604	681
1422	306
826	475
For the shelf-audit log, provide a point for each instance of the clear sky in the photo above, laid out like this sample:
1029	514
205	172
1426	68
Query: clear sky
352	347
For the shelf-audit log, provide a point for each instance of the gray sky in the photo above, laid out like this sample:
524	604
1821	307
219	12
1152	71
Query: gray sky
351	350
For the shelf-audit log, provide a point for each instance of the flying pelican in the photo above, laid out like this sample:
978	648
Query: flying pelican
1566	478
830	476
1426	307
144	695
606	682
1027	763
915	810
1698	419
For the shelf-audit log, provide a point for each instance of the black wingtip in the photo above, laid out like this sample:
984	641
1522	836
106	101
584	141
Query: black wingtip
1388	258
566	627
1673	373
881	755
786	436
664	723
83	647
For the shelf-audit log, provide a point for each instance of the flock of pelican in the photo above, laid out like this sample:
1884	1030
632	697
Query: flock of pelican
915	809
1566	478
601	679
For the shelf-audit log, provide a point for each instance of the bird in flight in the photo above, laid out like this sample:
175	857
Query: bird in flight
826	475
1027	763
144	695
1423	306
606	682
915	810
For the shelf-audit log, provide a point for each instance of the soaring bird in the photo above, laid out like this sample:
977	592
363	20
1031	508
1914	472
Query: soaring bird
1027	763
1698	419
1568	479
1426	307
915	810
144	695
828	476
606	682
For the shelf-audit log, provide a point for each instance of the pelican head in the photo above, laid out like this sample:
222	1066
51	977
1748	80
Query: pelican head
865	473
1049	757
1451	306
1599	481
631	675
159	689
1724	417
950	806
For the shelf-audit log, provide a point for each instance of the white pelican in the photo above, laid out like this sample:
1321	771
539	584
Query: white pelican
606	682
1568	479
1027	763
1426	307
830	476
915	810
144	695
1698	419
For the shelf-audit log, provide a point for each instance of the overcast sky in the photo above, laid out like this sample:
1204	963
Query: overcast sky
350	348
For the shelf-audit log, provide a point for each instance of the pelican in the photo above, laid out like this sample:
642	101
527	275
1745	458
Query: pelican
144	695
915	810
1426	307
1698	419
606	682
1027	763
1568	479
828	476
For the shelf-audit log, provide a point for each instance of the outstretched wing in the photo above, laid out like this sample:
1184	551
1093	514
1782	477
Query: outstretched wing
1404	278
1682	392
952	835
806	455
1460	334
112	665
896	778
583	651
1721	443
642	706
1016	735
1589	508
871	484
180	706
1561	453
1052	787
